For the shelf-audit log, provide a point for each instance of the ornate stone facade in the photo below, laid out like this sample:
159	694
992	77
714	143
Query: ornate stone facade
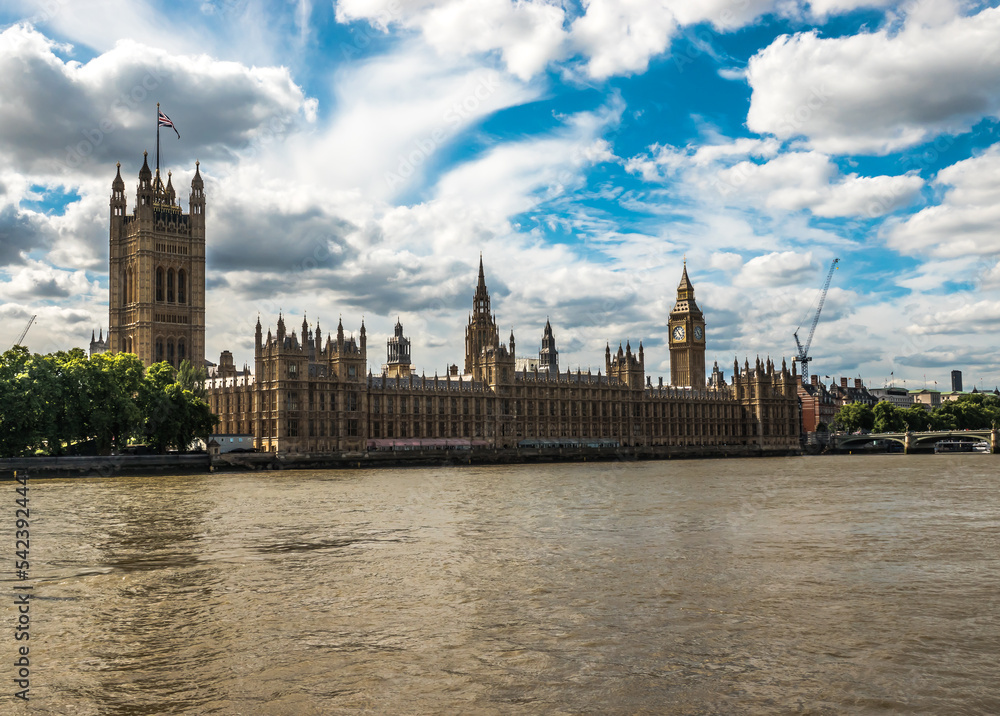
157	271
307	397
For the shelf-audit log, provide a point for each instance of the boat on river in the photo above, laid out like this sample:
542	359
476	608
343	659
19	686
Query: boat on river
949	446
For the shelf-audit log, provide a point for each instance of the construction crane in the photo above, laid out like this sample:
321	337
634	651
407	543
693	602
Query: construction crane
25	331
803	355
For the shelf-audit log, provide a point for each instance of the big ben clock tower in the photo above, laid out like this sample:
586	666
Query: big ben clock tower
687	338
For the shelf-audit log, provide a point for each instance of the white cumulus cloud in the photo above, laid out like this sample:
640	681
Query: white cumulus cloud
966	219
880	91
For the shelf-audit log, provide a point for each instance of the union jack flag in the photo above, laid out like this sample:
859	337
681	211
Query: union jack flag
165	121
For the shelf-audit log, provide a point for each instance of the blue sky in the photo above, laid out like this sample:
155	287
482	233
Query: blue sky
359	155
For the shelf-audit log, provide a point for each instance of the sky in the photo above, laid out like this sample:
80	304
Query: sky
360	155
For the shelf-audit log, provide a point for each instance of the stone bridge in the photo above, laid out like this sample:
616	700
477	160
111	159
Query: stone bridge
915	440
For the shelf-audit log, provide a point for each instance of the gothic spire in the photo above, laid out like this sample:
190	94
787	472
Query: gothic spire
481	301
685	290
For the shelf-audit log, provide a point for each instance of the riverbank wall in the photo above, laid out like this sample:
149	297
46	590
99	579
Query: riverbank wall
125	465
105	465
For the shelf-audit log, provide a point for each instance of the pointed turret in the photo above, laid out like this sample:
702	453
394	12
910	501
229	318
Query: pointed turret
364	336
117	203
197	182
281	330
144	194
145	172
257	333
548	356
196	199
481	299
685	289
169	191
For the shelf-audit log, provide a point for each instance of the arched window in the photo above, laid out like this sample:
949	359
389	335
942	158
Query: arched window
170	352
181	287
159	350
170	286
159	284
181	354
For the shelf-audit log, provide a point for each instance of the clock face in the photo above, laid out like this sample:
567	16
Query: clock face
678	333
698	333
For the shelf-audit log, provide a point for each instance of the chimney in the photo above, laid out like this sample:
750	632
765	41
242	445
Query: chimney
814	379
843	382
857	383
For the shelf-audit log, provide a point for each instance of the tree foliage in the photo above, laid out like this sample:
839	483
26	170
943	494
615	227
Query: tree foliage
54	403
855	416
973	411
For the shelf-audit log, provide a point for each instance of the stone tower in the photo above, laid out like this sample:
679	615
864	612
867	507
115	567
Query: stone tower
626	366
397	349
687	338
548	356
157	271
481	333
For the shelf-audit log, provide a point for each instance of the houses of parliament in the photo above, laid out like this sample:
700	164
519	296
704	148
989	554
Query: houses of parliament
313	393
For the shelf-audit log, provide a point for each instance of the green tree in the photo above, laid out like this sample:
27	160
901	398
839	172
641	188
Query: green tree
193	379
18	429
113	386
966	415
916	418
942	421
855	416
888	418
172	416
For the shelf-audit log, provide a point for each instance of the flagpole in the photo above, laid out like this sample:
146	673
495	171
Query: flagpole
157	138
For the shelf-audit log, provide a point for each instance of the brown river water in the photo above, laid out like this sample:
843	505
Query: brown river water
840	585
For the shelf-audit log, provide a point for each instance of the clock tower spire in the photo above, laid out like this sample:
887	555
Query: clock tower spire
687	338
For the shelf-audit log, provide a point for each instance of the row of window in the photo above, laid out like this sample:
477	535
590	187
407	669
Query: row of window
171	351
172	249
317	428
171	286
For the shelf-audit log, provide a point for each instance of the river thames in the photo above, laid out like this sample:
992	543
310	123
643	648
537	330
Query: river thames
840	585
